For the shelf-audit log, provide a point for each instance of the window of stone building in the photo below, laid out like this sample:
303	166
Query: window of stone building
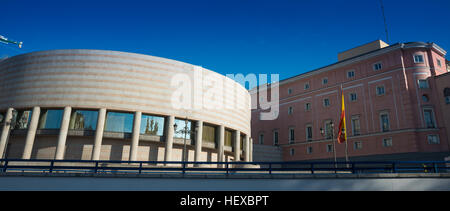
351	74
447	95
309	132
387	142
275	138
353	97
433	139
228	138
291	135
261	138
307	106
290	110
384	121
439	62
183	129
292	151
380	90
119	122
21	119
209	134
50	119
329	147
309	150
306	86
83	120
328	129
423	84
377	66
428	116
152	125
324	81
356	127
326	102
425	98
357	145
418	58
289	91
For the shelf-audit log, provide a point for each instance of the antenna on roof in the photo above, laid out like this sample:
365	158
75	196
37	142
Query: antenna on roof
385	24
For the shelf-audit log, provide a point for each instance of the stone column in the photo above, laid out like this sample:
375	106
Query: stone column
250	151
5	131
237	145
198	141
169	138
246	149
99	134
31	134
60	149
220	149
135	137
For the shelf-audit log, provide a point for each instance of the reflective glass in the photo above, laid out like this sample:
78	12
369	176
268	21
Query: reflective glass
152	125
119	122
181	129
83	120
209	134
21	119
50	119
228	138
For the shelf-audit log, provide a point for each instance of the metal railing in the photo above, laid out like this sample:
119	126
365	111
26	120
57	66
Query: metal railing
149	167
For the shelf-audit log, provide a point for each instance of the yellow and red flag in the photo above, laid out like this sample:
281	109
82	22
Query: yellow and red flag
342	135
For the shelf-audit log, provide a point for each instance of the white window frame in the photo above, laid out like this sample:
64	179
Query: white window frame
388	121
417	61
386	142
380	86
438	141
352	75
350	97
291	139
377	66
306	132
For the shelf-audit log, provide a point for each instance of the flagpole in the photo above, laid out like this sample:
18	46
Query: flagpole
346	144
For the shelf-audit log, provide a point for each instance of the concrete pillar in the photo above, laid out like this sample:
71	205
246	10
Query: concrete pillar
60	149
99	134
198	141
250	151
135	137
169	138
5	131
220	149
246	148
237	145
31	134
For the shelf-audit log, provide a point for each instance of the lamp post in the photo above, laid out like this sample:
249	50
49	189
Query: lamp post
322	132
185	131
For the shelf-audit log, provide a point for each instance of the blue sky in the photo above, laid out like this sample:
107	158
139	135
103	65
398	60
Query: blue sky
288	37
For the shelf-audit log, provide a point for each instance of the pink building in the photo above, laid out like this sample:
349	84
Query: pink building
392	107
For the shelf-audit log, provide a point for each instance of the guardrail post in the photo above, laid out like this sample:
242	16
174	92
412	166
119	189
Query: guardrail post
184	167
312	168
51	166
140	167
96	167
270	168
5	166
227	168
353	168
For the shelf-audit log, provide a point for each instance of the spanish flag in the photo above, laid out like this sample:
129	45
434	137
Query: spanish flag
342	135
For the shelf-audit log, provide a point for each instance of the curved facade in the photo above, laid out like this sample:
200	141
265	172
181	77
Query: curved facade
108	105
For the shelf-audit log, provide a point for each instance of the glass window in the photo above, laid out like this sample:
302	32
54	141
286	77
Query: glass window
418	58
291	135
377	66
429	118
329	147
209	134
290	110
380	90
447	99
83	120
356	128
353	97
425	98
182	129
309	150
439	63
275	138
387	142
119	122
152	125
384	118
433	139
307	106
357	145
351	74
423	84
50	119
325	81
289	91
309	134
22	119
261	138
228	138
326	102
306	86
328	129
292	151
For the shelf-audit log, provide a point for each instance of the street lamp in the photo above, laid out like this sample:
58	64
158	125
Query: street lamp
185	131
322	132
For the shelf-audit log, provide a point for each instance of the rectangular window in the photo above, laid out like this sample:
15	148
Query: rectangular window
328	129
418	58
309	150
22	119
182	129
325	81
290	110
83	120
326	102
380	90
152	125
350	74
292	151
447	99
433	139
387	142
429	118
357	145
353	97
329	147
423	84
228	138
119	122
275	138
384	120
377	66
309	133
306	86
50	119
291	135
307	106
261	138
289	91
356	128
209	134
439	63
